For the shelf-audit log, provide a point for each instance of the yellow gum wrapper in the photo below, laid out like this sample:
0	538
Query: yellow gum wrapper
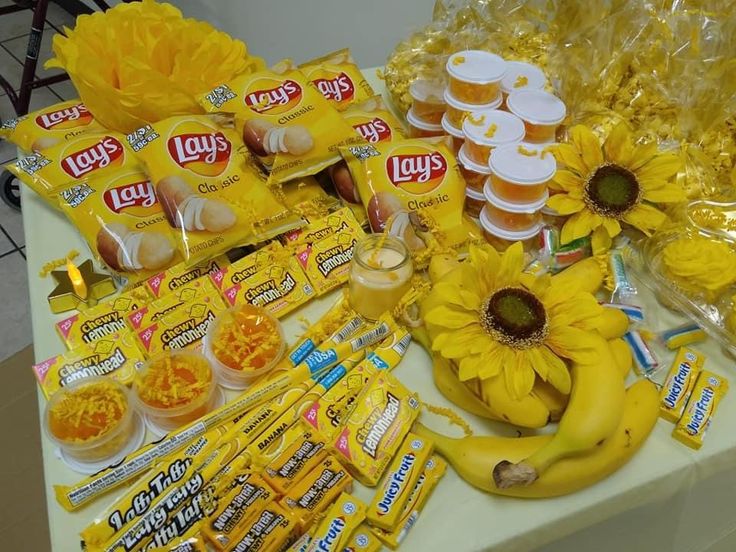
72	162
49	126
156	309
212	197
328	413
327	262
296	460
343	517
319	488
433	471
99	321
680	382
374	122
182	328
121	220
244	268
116	356
269	529
234	509
137	500
181	274
363	540
402	475
709	390
279	288
284	120
317	230
382	416
338	78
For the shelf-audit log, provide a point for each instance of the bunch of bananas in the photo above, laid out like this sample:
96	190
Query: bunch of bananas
601	423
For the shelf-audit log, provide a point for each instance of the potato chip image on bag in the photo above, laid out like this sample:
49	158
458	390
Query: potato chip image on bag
119	216
284	120
338	78
49	126
212	198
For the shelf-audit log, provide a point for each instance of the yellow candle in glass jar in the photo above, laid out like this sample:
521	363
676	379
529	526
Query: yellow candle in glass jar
380	274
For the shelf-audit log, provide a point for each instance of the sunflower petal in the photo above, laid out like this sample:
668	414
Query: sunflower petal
558	374
519	375
446	317
455	295
462	342
618	147
663	166
569	156
512	263
491	368
579	225
612	226
601	240
538	285
469	367
572	343
642	155
568	180
564	204
670	193
588	144
645	217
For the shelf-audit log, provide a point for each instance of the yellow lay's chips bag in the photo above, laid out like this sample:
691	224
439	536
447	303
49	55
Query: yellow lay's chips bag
284	120
49	126
123	223
338	78
210	194
373	121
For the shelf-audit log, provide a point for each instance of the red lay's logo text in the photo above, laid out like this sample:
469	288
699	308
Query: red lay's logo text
338	88
104	152
374	130
415	170
134	197
204	153
69	117
273	96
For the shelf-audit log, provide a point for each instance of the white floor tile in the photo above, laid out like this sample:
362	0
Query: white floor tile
14	307
40	97
7	151
66	90
16	24
18	47
12	221
10	68
5	244
59	17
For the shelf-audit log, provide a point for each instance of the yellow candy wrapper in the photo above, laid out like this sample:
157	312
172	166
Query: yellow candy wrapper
338	78
363	540
99	321
708	392
121	220
116	355
374	122
182	328
49	126
179	275
279	289
298	459
333	532
270	529
285	121
211	196
680	383
306	197
318	229
244	268
382	417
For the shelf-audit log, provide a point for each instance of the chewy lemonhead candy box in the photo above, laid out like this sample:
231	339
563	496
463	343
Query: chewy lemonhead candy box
327	262
178	275
244	268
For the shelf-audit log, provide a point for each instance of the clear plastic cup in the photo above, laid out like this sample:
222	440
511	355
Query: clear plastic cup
457	110
428	102
241	330
522	76
174	388
519	177
475	175
475	76
503	239
474	202
82	436
514	217
457	134
420	129
488	129
541	112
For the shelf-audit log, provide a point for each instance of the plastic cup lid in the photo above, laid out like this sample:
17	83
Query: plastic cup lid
537	106
511	207
474	194
509	128
476	66
471	165
491	228
550	212
427	91
515	69
450	128
513	166
418	123
462	106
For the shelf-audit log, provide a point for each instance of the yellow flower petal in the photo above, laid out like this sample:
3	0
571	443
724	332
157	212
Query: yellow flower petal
538	285
587	143
568	180
460	344
670	193
486	262
661	167
558	374
572	343
492	366
579	225
643	153
454	295
564	204
618	147
579	309
601	240
512	263
446	317
469	366
569	156
645	217
519	375
612	226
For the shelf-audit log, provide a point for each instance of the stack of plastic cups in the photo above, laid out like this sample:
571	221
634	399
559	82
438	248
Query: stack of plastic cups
521	76
427	109
541	112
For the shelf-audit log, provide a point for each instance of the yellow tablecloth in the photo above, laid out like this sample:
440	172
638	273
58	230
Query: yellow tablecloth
668	498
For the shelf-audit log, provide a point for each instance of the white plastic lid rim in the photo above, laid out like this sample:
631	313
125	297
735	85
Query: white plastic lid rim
515	69
471	165
509	128
478	67
418	123
510	206
508	164
462	106
508	235
537	107
450	128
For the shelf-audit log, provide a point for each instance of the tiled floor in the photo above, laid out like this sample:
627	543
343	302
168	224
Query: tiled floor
14	308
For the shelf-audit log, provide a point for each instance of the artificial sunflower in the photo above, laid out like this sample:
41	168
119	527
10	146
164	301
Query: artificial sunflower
494	320
603	186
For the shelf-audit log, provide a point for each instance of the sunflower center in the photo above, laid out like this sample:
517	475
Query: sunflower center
514	317
612	191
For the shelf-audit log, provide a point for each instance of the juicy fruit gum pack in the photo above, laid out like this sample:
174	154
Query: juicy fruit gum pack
708	392
285	121
372	120
181	274
680	382
211	196
409	177
120	218
73	161
338	78
116	355
343	517
47	127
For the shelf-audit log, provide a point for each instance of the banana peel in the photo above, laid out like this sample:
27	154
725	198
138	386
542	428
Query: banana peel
612	323
585	274
622	354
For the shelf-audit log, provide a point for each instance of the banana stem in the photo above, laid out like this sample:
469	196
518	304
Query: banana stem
442	443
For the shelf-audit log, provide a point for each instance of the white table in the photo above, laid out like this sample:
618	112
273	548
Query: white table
667	498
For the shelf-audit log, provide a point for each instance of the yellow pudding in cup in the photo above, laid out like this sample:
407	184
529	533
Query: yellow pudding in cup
458	110
458	137
428	103
503	239
475	174
488	129
514	217
474	202
541	112
475	76
520	172
421	129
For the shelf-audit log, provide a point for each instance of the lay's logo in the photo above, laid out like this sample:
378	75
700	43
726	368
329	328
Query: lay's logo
274	100
99	155
205	153
416	173
129	197
375	130
69	117
337	89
